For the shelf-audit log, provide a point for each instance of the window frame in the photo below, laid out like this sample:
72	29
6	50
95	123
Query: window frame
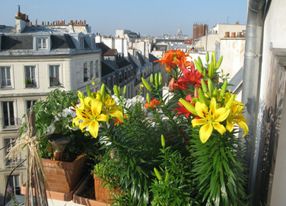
96	69
30	83
9	125
42	43
16	187
85	72
91	70
6	68
33	101
8	162
54	67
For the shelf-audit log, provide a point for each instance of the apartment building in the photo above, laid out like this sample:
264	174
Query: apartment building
117	70
211	40
34	60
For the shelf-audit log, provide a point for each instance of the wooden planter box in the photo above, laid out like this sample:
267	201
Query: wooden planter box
102	193
67	196
61	176
85	194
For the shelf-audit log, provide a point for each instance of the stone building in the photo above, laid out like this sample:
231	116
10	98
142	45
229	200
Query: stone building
34	60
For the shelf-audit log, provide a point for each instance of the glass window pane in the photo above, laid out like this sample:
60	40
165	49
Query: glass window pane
11	113
54	75
5	113
27	72
57	73
33	73
2	74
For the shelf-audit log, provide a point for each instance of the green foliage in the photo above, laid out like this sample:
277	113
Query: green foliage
49	112
131	152
217	170
172	185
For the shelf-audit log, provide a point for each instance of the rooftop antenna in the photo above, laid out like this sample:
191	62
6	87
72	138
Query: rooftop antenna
18	8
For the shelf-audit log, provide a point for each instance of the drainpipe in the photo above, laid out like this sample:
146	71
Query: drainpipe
251	87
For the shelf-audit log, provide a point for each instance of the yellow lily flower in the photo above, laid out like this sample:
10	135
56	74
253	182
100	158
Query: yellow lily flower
90	115
210	118
112	109
84	101
236	117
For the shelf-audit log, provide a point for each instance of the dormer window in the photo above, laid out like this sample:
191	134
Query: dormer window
81	42
42	43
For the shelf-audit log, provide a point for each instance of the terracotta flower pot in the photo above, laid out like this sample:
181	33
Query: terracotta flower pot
84	194
102	193
63	176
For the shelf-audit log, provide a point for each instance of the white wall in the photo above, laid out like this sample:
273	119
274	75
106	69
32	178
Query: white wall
222	28
232	51
109	41
274	37
207	43
74	80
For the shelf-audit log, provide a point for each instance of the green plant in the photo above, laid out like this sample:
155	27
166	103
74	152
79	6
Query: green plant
131	152
53	115
218	170
172	185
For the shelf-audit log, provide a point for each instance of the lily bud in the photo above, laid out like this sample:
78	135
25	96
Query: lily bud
207	57
163	141
146	84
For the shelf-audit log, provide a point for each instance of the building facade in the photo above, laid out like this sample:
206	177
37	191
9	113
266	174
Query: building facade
211	40
34	60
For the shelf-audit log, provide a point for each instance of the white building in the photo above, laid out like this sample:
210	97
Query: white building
264	94
211	41
34	60
125	42
232	50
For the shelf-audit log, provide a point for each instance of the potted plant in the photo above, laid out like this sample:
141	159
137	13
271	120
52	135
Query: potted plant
199	159
30	83
60	145
97	113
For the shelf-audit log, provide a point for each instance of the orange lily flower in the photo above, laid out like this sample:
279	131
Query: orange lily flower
152	104
173	59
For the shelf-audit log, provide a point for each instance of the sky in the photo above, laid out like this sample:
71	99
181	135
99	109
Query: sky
148	17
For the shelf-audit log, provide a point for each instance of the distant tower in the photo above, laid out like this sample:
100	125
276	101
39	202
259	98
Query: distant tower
199	30
179	33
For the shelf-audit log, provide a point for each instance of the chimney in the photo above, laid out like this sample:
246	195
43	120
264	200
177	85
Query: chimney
22	20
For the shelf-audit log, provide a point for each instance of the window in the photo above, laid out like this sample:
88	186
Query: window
8	144
5	76
85	72
30	77
13	184
96	69
54	73
29	104
81	42
8	114
91	70
42	43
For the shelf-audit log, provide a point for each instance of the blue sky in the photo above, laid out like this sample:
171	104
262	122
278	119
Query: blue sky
149	17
